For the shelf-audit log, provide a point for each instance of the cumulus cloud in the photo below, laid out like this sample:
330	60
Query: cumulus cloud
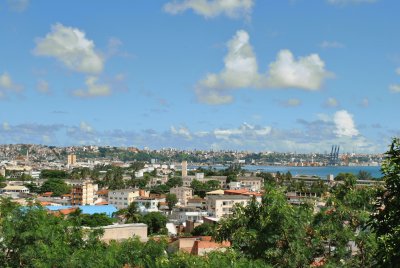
306	72
331	44
85	127
331	102
181	131
93	89
345	126
71	47
6	83
241	71
346	2
212	8
43	87
244	130
395	88
6	126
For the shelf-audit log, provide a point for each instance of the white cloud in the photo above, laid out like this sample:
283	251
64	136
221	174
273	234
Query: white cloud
7	83
71	47
85	127
306	72
241	71
244	131
304	136
395	88
212	8
292	102
331	102
345	2
344	123
18	5
6	126
43	87
181	131
93	89
331	44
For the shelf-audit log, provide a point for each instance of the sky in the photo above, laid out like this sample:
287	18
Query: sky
252	75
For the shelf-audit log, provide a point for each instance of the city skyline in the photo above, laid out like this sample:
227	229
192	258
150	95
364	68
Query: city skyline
240	74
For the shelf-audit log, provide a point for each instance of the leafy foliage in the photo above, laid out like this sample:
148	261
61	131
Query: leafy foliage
53	174
171	200
57	186
386	221
156	222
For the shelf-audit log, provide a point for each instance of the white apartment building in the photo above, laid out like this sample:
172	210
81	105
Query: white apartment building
122	198
183	194
251	183
182	215
147	204
220	206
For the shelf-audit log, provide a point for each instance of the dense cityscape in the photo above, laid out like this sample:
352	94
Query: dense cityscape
190	202
199	134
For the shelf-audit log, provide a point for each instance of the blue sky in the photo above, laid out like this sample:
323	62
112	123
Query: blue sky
258	75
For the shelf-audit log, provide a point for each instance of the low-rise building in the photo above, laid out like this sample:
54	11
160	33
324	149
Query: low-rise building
252	183
147	204
122	198
183	194
119	232
14	191
222	205
181	215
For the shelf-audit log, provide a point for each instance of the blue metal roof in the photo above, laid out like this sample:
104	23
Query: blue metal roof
107	209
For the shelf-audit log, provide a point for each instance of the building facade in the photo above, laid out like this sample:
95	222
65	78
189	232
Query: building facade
83	194
183	194
220	206
122	198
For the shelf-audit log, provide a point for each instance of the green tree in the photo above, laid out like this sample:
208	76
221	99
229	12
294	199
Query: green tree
174	182
57	186
203	229
156	222
171	200
364	175
386	220
130	214
53	174
96	220
33	188
2	182
273	231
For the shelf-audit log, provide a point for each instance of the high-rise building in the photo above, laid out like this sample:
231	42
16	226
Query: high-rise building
71	160
83	194
184	169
